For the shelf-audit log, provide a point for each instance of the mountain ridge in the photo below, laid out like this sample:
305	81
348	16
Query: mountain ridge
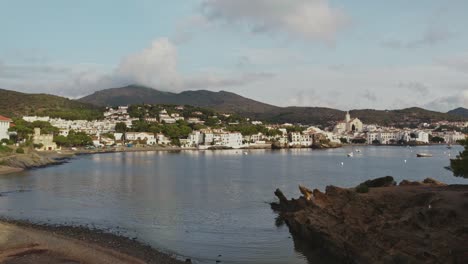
460	111
224	101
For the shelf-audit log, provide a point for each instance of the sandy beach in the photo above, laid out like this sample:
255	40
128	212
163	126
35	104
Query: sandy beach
22	242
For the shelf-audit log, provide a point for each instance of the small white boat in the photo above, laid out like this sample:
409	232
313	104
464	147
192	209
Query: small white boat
423	155
357	150
449	146
351	154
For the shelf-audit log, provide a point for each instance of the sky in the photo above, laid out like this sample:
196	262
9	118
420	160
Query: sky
332	53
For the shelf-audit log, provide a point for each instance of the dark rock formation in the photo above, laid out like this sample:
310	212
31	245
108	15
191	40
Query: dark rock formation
416	222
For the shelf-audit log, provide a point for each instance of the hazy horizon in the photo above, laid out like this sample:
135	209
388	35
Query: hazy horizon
326	53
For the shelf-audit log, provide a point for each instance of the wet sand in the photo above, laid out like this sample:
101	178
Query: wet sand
22	242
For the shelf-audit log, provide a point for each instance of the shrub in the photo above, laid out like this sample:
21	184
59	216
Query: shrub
5	149
20	150
38	146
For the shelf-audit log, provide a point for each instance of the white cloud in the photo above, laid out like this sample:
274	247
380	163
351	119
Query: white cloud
450	102
154	66
309	19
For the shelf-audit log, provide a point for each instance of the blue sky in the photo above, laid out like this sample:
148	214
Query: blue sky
340	54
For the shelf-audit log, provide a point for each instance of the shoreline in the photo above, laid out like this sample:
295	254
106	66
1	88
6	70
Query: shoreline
36	159
39	243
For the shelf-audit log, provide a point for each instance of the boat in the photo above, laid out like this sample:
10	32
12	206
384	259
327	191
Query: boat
358	150
423	155
350	154
449	146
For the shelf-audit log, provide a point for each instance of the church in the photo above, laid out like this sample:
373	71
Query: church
348	125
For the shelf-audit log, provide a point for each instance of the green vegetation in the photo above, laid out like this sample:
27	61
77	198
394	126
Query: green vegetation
121	127
358	141
437	139
24	128
20	150
459	165
6	141
15	104
74	139
247	129
5	149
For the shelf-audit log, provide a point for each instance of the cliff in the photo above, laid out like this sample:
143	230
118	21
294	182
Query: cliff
379	222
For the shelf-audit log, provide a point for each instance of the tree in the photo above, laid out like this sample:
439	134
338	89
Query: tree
344	140
358	140
437	139
120	127
376	142
459	165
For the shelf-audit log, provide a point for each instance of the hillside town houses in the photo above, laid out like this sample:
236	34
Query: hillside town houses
349	130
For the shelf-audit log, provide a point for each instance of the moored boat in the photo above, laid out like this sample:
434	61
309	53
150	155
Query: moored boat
423	155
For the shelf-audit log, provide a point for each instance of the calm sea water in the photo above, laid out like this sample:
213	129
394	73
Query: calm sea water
205	205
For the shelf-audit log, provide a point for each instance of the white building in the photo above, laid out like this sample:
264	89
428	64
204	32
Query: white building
195	138
162	139
422	136
301	139
453	137
232	140
4	126
144	136
36	118
46	140
348	125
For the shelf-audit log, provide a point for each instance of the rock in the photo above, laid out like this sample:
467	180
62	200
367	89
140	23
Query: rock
409	183
407	224
306	192
380	182
433	182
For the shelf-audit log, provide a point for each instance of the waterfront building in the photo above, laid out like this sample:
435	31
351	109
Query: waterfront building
147	137
162	139
4	126
45	141
232	140
195	138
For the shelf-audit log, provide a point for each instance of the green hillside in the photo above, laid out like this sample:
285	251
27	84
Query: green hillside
16	104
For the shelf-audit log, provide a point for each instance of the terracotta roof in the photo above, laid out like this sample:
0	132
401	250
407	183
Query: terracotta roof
3	118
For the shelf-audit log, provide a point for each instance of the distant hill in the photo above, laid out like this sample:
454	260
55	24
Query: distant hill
133	94
16	104
460	111
230	102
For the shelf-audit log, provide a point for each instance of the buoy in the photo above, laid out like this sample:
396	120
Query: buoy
342	163
405	161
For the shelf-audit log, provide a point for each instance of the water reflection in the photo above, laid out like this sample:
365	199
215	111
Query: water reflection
202	204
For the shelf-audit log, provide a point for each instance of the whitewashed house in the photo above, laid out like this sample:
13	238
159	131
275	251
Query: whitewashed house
232	140
162	139
144	136
4	126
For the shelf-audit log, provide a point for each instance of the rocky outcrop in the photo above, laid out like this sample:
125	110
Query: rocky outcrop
34	160
415	222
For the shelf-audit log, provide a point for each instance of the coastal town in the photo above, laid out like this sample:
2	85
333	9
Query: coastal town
199	128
